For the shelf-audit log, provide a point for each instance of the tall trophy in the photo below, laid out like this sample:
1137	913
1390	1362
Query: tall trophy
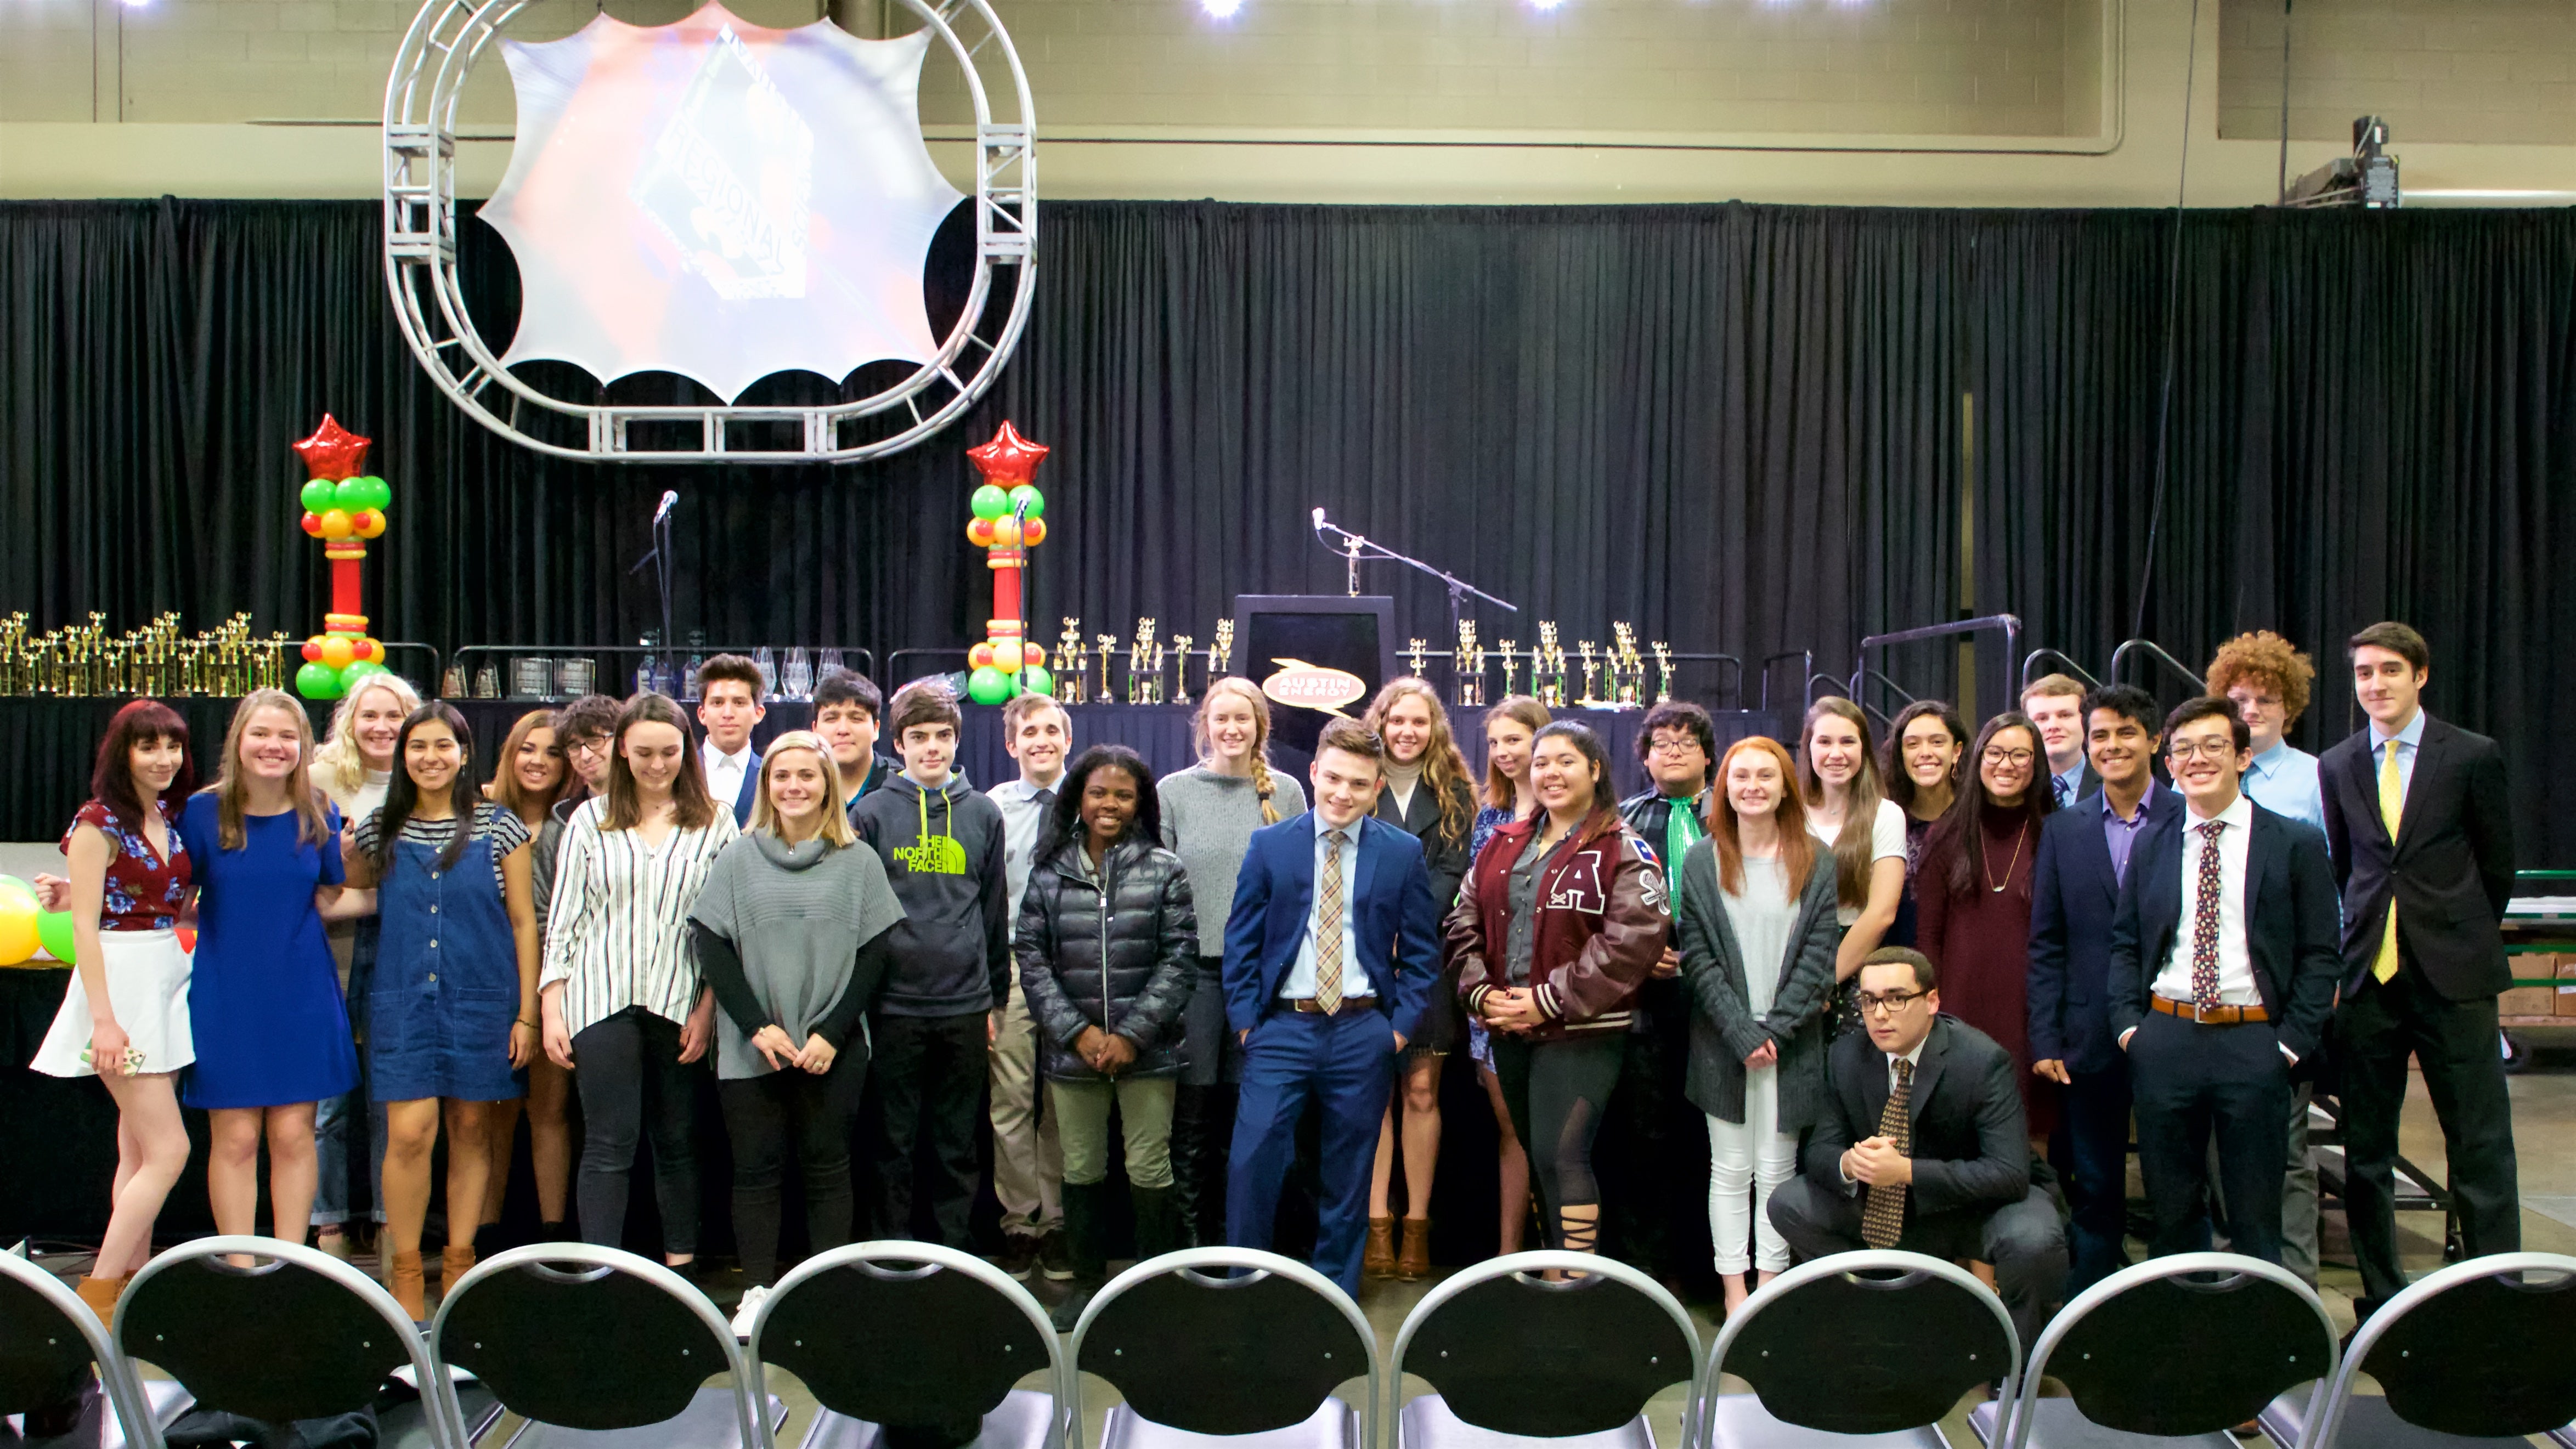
1467	669
1181	668
1144	682
1547	671
1627	668
1591	697
1511	662
1071	684
1221	654
1413	652
1108	653
1663	672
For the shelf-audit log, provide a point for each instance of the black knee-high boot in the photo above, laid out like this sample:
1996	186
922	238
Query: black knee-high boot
1085	1235
1158	1220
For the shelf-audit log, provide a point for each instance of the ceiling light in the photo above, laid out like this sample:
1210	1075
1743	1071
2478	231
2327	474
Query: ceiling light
1221	9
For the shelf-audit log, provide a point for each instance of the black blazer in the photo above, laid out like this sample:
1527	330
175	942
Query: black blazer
2451	872
2290	924
2073	900
1971	1150
1447	858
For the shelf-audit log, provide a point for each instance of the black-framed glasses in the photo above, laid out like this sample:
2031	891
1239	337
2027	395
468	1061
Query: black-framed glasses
588	745
1672	746
2182	753
1873	1003
1998	756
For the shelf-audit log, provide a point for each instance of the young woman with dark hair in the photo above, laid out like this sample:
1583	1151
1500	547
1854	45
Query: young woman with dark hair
124	1018
1974	891
533	778
1921	772
452	1011
1107	946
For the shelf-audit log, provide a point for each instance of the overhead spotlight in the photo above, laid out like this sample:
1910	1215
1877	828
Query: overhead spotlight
1545	4
1221	9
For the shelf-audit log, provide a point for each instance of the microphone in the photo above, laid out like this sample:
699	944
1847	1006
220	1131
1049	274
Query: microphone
664	511
1319	522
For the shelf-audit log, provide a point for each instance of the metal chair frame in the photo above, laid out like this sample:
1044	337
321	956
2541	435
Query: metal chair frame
117	1381
2325	1423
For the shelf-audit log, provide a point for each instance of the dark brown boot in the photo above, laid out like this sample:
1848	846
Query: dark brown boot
1414	1263
1379	1260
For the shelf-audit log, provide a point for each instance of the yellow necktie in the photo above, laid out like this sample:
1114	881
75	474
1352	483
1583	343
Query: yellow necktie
2392	804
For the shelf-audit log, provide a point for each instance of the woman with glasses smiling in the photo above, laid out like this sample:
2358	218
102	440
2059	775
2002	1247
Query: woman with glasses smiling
1973	889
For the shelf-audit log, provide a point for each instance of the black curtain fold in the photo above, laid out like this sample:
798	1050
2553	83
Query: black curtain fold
1743	428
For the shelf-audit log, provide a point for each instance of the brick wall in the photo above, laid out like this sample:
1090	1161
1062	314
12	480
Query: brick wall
2496	71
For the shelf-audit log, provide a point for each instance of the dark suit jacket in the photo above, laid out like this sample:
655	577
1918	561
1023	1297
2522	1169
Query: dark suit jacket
1392	914
2451	871
1971	1149
1448	859
2290	924
2073	898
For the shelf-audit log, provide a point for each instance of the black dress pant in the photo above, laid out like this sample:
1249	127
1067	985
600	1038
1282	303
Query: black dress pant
2375	1030
2025	1241
1653	1138
2090	1151
2190	1082
760	1114
628	1071
930	1075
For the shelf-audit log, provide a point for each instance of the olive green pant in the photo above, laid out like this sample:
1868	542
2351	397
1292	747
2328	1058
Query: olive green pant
1145	1115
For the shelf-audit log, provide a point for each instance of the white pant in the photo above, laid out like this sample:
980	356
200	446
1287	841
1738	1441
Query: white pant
1746	1160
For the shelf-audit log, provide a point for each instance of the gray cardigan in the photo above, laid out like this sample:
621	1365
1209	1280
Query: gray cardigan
1723	1028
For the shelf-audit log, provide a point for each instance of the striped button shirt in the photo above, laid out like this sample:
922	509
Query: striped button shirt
617	929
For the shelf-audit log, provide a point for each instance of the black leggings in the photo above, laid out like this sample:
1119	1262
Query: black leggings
1556	1091
759	1112
628	1071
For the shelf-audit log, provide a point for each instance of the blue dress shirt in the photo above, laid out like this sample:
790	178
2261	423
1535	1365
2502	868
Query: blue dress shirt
1300	984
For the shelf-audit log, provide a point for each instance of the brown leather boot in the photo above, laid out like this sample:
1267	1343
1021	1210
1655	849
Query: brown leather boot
453	1264
408	1285
100	1294
1414	1263
1379	1260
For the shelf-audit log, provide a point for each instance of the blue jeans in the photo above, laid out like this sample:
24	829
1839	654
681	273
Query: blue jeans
1346	1065
334	1123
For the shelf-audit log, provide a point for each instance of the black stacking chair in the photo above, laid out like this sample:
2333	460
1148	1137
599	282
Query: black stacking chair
598	1349
910	1334
296	1335
2478	1354
50	1343
1226	1341
1513	1359
1860	1350
2170	1354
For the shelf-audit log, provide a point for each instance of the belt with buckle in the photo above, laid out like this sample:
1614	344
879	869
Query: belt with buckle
2209	1015
1311	1007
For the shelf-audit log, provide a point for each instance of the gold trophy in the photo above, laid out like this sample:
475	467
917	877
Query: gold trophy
1591	697
1141	681
1413	654
1181	670
1511	661
1070	683
1221	657
1106	646
1467	669
1547	670
1627	668
1663	671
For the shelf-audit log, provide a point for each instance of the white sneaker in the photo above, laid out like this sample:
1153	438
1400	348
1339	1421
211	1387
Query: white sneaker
745	1311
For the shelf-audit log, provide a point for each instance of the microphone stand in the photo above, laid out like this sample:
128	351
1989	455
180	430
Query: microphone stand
659	555
1355	549
1020	515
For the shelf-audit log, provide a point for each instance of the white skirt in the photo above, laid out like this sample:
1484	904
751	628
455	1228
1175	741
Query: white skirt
147	979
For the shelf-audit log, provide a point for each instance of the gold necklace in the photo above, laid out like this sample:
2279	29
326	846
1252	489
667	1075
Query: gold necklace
2019	837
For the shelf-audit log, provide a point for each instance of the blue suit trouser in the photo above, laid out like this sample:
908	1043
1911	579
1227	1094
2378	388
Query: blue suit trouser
2092	1156
1345	1065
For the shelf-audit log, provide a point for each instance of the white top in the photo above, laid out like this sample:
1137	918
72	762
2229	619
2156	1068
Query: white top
1886	840
2235	962
725	772
1401	782
1300	983
1762	918
617	932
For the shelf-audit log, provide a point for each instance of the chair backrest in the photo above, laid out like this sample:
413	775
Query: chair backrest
48	1340
1511	1352
1225	1341
2252	1330
903	1333
2481	1348
587	1337
296	1335
1904	1335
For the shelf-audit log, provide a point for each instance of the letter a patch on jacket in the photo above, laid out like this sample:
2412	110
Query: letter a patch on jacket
1579	886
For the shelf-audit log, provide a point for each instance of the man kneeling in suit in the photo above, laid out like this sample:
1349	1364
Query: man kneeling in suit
1922	1147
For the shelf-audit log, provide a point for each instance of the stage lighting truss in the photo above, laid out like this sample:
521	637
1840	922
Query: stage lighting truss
429	72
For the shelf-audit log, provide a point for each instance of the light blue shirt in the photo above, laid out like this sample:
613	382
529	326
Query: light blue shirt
1300	984
1023	821
2283	780
2410	741
2069	785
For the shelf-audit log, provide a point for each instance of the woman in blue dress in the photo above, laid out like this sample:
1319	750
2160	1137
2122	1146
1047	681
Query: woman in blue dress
270	1028
452	1006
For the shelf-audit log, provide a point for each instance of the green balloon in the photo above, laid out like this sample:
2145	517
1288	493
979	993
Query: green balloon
54	932
346	495
1037	681
357	670
1028	493
380	493
989	685
990	502
321	496
317	680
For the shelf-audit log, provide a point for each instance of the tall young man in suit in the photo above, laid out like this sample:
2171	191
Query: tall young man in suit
1331	954
2223	969
2085	852
2418	824
729	691
2055	703
1922	1146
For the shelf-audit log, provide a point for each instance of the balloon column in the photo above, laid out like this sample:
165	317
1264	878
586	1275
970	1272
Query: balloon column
343	507
1009	521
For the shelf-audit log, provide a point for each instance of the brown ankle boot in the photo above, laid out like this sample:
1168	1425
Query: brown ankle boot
1414	1264
409	1285
453	1264
1379	1260
100	1294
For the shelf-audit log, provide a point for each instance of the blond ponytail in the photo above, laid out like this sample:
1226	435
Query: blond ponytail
1261	786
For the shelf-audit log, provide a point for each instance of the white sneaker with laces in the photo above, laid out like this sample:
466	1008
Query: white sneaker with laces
745	1311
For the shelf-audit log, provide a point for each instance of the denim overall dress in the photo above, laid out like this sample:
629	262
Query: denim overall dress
446	988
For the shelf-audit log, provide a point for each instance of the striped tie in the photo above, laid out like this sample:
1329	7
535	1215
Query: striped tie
1328	927
2392	804
1882	1218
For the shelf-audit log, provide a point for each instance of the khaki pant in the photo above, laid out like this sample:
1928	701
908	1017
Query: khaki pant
1028	1166
1144	1119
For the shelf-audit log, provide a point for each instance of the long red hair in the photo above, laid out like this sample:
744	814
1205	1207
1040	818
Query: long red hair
1797	847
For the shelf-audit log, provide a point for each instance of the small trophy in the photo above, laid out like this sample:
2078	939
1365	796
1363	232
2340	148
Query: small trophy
1511	662
1413	654
1547	669
1143	665
1591	697
1181	669
1627	668
1221	657
1467	669
1108	651
1663	671
1071	685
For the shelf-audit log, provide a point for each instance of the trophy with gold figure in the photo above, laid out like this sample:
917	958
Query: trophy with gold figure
1414	649
1143	679
1181	668
1467	669
1547	670
1663	671
1221	654
1511	662
1591	669
1627	668
1071	684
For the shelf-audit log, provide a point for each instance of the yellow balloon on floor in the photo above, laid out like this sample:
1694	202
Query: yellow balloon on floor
17	927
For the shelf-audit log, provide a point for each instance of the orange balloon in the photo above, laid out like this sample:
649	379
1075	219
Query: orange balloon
980	533
1035	534
1006	655
371	524
1006	532
980	657
337	652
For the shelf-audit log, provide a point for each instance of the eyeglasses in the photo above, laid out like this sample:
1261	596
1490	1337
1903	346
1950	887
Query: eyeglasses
1873	1004
589	745
2216	750
1996	756
1672	747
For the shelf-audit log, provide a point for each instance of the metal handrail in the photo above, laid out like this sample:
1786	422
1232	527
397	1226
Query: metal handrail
1806	670
2067	660
2156	652
2008	623
1831	684
436	668
894	661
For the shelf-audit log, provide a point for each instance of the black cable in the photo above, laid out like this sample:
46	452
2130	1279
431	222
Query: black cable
2173	310
2281	190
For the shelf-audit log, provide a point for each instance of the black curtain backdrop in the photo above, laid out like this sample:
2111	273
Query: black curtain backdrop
1743	428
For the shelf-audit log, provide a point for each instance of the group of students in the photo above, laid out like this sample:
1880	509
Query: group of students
2035	939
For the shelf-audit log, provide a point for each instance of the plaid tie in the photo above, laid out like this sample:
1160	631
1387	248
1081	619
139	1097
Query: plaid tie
2392	804
1882	1218
2204	919
1328	927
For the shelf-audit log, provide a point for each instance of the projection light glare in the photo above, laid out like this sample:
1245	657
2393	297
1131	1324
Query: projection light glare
1221	9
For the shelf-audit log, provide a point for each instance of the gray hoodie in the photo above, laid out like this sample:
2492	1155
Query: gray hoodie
944	854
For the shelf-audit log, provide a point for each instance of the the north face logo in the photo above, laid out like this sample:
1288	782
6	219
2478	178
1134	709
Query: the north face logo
933	855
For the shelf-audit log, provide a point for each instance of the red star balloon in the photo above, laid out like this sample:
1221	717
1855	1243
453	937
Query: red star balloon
333	452
1009	459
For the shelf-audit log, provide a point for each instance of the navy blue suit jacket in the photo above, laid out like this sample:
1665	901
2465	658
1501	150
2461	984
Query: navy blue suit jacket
2073	900
749	795
1393	915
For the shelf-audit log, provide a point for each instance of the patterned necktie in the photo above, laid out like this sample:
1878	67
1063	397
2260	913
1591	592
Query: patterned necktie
1882	1218
2204	919
2392	804
1328	927
2064	789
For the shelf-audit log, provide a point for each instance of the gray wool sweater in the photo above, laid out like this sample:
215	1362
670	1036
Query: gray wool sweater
1208	820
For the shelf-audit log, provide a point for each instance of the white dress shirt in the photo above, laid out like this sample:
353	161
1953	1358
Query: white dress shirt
1300	985
724	772
1913	1058
2235	961
1024	816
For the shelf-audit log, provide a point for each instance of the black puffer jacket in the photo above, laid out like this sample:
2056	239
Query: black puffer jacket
1144	947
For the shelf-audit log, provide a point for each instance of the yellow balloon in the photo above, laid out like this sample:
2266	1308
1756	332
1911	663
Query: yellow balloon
18	938
337	652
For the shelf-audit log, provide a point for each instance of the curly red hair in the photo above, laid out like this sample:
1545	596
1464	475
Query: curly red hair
2268	661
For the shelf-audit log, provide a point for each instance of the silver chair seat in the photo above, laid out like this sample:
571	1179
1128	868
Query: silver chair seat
707	1423
1738	1421
98	1426
2058	1424
2368	1423
407	1426
1333	1425
1427	1423
1020	1421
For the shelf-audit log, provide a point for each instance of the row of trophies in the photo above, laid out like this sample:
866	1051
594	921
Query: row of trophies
158	660
1147	658
1082	671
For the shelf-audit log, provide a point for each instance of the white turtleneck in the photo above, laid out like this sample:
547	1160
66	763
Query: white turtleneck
1401	781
